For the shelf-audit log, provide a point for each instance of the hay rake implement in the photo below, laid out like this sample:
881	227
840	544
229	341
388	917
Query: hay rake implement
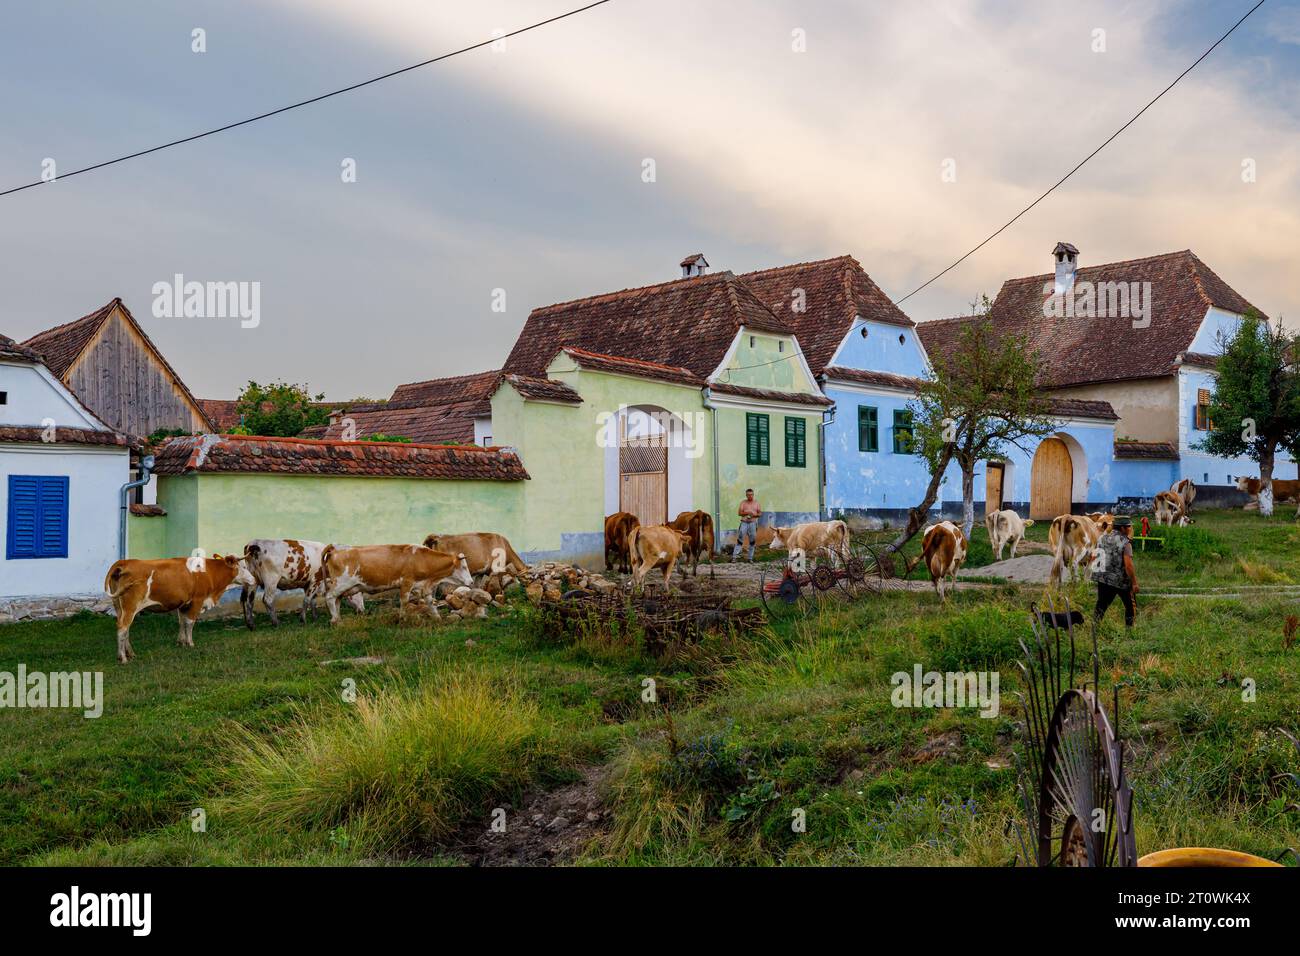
795	580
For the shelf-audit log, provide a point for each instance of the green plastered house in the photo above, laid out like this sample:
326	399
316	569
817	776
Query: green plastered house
656	400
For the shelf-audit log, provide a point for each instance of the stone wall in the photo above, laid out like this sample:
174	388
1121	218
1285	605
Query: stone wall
50	607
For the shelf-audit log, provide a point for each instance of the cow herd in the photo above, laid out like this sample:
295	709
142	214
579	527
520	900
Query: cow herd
638	549
189	586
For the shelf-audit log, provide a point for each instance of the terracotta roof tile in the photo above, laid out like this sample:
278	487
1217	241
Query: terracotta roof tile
1081	350
456	388
68	436
630	366
768	394
300	456
1203	359
835	292
543	389
429	424
864	377
1081	408
223	413
10	349
1156	450
687	324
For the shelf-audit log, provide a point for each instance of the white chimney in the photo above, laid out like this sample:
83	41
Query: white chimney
1067	264
694	265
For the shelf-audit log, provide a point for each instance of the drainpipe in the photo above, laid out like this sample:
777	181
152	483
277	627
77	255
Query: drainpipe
828	418
717	481
146	466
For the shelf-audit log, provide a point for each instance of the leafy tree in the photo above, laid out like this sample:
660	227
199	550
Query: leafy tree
982	400
279	409
382	437
1255	402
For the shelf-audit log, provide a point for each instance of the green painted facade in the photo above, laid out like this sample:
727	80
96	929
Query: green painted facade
566	449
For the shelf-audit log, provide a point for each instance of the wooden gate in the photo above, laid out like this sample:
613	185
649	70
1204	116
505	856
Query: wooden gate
993	487
643	480
1051	481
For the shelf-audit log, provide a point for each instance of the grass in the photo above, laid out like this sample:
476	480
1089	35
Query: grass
779	747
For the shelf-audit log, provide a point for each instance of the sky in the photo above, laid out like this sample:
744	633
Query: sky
506	179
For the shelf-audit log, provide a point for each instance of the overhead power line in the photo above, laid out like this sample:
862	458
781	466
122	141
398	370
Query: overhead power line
1085	159
307	102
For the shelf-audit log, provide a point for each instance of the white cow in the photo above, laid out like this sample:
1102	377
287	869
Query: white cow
1005	527
285	564
829	537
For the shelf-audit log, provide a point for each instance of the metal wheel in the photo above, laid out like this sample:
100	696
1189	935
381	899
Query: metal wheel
779	589
1076	799
862	571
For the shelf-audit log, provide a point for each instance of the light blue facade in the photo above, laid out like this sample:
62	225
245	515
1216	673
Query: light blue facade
865	477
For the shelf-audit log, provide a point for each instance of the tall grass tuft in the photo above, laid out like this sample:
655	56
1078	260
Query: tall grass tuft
398	768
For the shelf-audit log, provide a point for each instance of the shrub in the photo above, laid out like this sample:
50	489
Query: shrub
403	765
1190	548
979	638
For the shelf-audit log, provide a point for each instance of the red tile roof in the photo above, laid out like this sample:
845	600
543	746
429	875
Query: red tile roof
10	349
62	345
687	323
835	292
543	389
1078	350
629	366
770	395
241	454
1081	408
223	413
864	377
457	388
1202	359
429	424
66	436
1157	450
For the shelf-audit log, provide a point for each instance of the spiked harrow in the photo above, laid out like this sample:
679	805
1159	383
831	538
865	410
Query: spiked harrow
788	582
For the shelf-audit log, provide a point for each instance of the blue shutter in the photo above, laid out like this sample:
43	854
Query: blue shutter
38	517
24	497
53	526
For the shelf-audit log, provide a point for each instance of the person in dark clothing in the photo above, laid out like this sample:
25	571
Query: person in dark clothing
1113	570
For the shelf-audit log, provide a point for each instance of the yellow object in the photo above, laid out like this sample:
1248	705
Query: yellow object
1202	856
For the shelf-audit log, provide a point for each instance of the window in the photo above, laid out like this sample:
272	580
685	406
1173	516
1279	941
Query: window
756	439
780	345
38	517
868	429
4	398
1203	422
902	431
796	445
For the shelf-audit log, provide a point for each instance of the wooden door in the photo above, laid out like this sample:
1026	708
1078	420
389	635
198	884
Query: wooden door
1051	481
993	487
643	482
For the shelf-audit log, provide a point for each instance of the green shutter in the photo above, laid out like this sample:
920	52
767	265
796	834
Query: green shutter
796	443
868	429
756	439
902	431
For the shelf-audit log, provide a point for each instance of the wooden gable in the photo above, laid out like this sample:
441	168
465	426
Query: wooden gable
119	374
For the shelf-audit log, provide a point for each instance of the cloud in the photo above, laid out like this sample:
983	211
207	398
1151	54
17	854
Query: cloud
839	148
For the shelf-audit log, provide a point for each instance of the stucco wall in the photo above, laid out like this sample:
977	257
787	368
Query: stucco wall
1146	407
94	477
220	513
1195	464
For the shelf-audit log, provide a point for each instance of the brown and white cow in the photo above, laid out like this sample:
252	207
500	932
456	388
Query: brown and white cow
816	537
1283	489
188	586
1187	488
486	552
655	546
698	527
1076	542
1104	521
1170	509
285	564
618	529
415	571
944	551
1005	527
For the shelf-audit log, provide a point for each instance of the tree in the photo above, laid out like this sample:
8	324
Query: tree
980	401
279	409
1255	402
